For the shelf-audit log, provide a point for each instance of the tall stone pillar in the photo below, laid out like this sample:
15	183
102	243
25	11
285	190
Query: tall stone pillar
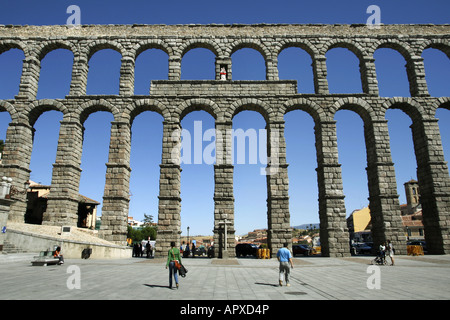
434	185
80	71
223	192
169	208
174	68
16	163
369	76
28	86
415	70
271	68
278	217
117	185
62	204
319	65
383	198
334	238
126	87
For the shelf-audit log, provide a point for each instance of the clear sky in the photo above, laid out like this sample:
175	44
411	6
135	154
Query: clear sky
197	179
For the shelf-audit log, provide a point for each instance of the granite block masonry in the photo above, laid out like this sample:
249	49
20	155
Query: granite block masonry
223	98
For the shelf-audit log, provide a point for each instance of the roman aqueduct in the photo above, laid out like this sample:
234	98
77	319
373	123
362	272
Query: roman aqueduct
223	99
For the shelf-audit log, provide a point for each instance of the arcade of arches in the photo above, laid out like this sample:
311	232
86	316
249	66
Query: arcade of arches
223	98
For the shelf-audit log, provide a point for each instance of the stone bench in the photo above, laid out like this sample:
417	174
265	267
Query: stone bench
45	258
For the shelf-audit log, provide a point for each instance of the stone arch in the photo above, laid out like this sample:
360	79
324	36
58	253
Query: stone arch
413	109
200	43
303	44
35	109
443	102
436	63
357	105
49	46
439	44
7	107
354	47
198	104
134	109
151	44
8	44
358	51
98	45
248	43
97	105
251	104
310	107
210	46
403	48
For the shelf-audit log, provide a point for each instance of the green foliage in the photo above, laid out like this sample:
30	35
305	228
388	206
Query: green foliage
139	234
148	219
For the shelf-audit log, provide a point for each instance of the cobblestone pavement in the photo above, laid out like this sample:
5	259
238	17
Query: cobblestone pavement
313	278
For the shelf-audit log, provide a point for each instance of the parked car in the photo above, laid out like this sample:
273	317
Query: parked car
361	248
301	249
245	249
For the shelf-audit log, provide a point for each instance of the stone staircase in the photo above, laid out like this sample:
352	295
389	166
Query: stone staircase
9	248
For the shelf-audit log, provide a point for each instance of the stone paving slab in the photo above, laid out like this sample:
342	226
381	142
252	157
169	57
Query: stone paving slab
313	278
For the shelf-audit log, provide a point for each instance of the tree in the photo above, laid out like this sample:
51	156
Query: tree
148	219
143	233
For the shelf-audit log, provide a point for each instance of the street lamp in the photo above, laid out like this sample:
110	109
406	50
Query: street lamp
188	235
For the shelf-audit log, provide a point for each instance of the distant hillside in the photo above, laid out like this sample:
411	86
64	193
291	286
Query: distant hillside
307	225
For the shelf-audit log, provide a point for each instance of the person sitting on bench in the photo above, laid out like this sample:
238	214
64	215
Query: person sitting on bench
58	255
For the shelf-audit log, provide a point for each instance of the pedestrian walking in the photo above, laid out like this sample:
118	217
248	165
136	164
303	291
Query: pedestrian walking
173	258
186	251
193	250
135	250
390	251
284	256
148	248
382	250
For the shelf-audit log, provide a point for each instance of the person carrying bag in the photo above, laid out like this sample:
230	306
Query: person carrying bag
179	266
173	263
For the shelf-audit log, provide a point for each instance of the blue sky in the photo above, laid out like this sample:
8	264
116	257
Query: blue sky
197	180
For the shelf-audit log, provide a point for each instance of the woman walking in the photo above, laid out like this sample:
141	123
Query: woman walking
390	250
173	255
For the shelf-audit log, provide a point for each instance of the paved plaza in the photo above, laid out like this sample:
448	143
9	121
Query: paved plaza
313	278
